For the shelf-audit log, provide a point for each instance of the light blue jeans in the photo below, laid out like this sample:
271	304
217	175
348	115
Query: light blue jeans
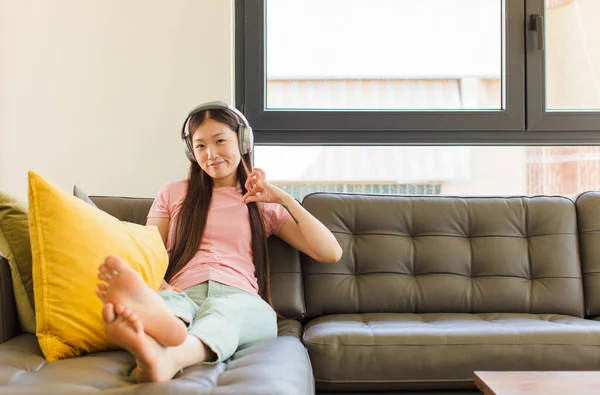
222	317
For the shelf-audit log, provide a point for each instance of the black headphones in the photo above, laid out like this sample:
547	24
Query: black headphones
245	135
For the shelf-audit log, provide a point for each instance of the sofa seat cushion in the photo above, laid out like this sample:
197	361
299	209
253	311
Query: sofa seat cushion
275	366
389	351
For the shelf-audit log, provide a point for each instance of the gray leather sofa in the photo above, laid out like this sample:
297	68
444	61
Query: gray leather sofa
429	290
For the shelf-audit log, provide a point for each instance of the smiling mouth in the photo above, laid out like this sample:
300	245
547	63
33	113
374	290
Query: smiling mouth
216	164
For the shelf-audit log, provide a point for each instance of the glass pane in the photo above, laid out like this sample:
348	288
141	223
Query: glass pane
572	50
434	170
385	54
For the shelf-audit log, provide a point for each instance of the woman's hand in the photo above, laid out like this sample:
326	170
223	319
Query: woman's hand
164	286
302	231
259	190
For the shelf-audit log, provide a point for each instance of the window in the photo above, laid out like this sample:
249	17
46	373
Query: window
363	70
479	97
419	72
368	55
563	67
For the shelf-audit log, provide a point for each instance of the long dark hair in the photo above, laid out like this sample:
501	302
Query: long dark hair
191	221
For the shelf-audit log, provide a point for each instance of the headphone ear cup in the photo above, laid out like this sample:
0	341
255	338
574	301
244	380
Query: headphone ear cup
246	139
189	152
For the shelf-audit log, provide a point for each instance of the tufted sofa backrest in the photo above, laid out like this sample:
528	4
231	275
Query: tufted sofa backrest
408	254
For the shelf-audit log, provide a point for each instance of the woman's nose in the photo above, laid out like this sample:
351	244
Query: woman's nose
211	152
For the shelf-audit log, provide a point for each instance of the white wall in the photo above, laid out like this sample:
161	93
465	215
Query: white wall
93	92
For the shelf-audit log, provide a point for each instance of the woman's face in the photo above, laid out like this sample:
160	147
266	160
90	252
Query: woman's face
217	151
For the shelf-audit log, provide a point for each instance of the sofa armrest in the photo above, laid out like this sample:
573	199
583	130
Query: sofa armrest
9	322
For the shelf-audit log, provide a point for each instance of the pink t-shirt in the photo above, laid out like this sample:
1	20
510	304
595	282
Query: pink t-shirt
225	252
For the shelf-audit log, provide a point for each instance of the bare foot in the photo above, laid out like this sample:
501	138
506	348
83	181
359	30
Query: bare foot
126	287
126	330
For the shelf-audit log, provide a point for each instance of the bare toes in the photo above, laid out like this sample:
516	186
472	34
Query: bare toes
108	313
126	312
104	277
119	308
103	269
133	320
113	264
137	326
101	295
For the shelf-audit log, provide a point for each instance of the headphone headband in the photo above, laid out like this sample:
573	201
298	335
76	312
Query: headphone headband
245	135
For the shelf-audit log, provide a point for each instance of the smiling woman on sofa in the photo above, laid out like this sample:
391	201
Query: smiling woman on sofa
215	296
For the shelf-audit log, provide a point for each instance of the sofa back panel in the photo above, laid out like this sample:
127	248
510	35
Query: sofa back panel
588	217
410	254
9	320
127	209
287	292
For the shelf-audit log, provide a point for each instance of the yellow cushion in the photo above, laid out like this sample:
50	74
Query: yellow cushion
69	240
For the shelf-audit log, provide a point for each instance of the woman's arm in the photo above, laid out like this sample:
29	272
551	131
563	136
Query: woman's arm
308	234
302	231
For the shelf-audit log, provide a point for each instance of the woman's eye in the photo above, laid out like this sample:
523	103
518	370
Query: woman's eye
220	141
199	146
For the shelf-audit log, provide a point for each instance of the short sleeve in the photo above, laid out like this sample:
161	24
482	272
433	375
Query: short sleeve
160	206
274	216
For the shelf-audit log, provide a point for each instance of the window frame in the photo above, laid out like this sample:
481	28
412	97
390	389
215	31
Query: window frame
519	124
538	118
